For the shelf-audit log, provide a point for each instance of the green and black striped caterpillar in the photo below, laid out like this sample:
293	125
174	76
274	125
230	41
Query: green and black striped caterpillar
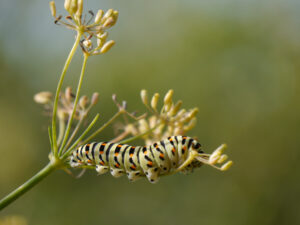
176	153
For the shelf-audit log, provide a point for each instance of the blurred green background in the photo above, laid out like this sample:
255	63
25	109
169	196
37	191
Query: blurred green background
238	61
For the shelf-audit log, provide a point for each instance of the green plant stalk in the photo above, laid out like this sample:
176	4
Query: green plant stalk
77	127
50	167
103	126
68	129
61	132
53	164
59	86
67	152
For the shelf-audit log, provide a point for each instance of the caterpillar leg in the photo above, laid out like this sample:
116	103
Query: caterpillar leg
152	175
192	156
133	176
101	169
117	172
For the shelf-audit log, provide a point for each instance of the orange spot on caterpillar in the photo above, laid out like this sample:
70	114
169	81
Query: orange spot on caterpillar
133	167
120	146
102	163
131	155
117	165
116	153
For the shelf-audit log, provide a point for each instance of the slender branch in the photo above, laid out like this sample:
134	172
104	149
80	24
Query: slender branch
75	103
50	137
103	127
59	86
66	153
61	131
50	167
78	126
73	133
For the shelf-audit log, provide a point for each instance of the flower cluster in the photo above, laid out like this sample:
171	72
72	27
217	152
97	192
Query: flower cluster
94	27
162	122
66	104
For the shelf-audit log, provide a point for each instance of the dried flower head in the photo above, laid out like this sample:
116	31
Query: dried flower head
93	28
160	124
66	103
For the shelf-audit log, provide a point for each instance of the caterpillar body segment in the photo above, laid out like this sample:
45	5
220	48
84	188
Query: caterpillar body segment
174	154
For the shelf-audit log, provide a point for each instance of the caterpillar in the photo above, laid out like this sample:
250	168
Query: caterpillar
169	156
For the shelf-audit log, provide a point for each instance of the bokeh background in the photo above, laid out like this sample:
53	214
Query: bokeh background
237	60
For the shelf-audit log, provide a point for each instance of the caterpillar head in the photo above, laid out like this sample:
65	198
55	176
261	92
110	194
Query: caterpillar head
196	146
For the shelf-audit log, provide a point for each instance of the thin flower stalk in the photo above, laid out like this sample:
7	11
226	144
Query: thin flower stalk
85	58
59	86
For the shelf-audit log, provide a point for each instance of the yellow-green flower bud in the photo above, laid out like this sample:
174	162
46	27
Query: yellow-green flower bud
107	15
180	114
99	16
109	22
154	101
43	97
83	101
67	4
213	159
68	94
226	166
52	8
144	96
95	98
175	108
115	15
222	159
73	6
168	97
193	113
107	46
101	39
80	9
